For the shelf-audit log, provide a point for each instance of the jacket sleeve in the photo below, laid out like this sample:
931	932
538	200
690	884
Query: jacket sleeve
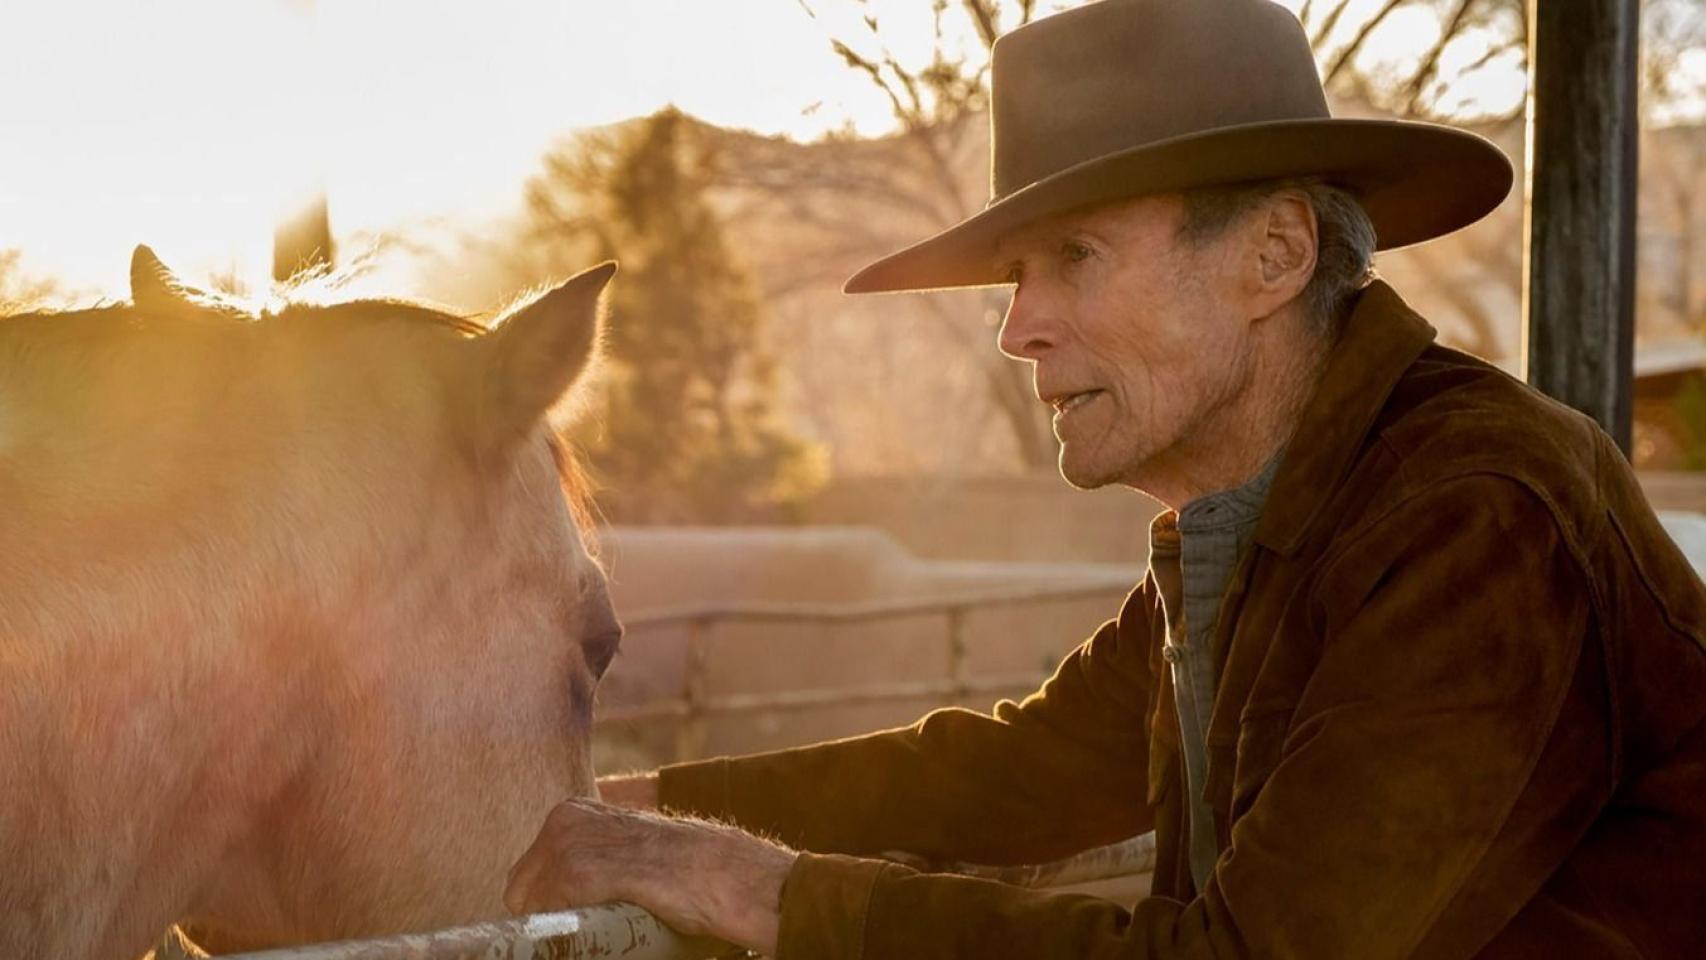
1451	635
1030	782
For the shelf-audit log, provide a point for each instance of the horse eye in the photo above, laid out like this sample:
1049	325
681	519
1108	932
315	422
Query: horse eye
601	650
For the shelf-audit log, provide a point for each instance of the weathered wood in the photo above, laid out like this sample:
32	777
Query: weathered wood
1579	303
626	932
615	932
304	242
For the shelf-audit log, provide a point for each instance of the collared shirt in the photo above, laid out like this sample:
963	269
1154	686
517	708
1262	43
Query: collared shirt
1192	553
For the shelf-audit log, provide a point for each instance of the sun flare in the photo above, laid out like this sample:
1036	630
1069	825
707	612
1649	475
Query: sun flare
196	125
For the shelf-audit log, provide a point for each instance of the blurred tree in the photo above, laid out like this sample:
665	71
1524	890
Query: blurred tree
1451	46
933	178
20	291
1672	226
1450	43
685	429
928	176
1690	406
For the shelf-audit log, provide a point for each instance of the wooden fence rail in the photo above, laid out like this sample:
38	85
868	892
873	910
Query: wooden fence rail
625	932
694	707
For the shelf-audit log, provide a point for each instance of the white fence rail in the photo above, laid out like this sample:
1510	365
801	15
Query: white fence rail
615	932
626	932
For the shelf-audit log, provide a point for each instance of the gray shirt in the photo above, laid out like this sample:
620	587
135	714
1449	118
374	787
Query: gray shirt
1192	554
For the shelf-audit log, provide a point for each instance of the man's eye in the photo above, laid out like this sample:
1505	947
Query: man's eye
1074	252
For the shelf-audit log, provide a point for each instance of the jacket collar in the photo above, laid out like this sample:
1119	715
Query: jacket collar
1381	339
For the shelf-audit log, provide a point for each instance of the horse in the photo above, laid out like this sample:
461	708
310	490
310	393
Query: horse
300	618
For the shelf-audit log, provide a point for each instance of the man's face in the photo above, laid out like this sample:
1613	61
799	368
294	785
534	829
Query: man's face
1136	338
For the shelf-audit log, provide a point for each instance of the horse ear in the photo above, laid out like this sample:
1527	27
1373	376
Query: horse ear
538	350
153	287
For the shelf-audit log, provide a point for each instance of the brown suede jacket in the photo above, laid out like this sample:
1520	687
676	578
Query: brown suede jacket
1462	713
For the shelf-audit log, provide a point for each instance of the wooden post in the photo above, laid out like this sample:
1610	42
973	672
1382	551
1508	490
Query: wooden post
1579	274
691	735
304	242
958	652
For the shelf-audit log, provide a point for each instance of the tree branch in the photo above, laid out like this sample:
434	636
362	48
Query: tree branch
983	16
875	72
1327	25
1350	50
1430	64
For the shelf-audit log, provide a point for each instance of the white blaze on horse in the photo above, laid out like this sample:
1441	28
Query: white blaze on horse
298	631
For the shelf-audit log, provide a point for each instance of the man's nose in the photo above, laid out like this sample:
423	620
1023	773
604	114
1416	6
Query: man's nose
1026	331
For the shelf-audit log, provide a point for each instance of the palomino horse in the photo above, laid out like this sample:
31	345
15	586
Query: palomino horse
298	632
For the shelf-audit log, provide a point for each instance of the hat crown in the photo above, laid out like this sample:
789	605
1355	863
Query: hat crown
1116	75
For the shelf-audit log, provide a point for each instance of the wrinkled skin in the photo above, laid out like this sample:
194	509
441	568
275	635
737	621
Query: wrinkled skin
1183	358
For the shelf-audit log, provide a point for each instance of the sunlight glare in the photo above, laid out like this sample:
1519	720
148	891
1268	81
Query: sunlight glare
167	129
195	125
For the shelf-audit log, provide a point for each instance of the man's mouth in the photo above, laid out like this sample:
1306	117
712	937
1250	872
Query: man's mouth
1068	402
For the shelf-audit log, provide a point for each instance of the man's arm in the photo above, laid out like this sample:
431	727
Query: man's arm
1447	754
1060	772
1416	803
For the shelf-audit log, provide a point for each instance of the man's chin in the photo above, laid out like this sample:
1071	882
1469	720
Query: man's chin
1083	476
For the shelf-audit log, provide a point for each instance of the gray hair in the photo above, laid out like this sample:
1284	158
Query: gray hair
1345	239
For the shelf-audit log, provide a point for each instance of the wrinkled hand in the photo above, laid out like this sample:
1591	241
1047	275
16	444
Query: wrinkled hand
699	878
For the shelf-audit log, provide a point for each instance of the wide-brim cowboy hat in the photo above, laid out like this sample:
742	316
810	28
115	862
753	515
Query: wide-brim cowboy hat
1120	98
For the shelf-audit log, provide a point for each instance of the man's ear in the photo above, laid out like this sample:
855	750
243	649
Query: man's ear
1285	250
536	352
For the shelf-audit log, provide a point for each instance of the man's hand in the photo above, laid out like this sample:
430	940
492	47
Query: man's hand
636	791
702	879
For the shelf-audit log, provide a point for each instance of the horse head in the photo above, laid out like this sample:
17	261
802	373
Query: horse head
299	626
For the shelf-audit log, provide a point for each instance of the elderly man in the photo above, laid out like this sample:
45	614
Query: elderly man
1414	673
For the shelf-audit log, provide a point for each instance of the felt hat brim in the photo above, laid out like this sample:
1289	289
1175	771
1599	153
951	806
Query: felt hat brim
1416	181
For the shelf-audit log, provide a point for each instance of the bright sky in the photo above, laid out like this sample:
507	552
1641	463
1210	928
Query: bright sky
193	125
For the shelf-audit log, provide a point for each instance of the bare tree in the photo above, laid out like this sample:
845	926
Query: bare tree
1673	216
685	427
1481	35
1673	161
928	177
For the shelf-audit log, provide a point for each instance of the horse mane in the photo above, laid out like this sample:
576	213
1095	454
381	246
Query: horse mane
89	328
